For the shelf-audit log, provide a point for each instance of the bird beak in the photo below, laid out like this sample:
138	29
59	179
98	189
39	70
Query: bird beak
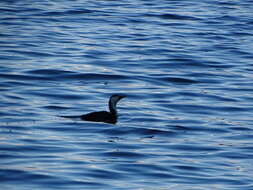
122	96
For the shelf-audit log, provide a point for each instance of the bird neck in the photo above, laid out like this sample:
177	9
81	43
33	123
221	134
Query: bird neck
112	108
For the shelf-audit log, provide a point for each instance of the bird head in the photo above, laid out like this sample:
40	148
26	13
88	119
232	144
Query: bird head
115	98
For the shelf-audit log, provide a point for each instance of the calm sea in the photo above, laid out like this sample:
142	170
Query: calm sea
185	66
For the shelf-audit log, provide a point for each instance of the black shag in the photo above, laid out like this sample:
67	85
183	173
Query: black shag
103	116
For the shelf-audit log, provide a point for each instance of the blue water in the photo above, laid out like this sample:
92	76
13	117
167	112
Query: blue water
185	66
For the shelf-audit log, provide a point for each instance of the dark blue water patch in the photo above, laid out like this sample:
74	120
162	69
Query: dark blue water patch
8	10
194	148
218	127
194	170
186	168
169	16
30	53
207	109
233	155
210	97
58	96
177	80
186	122
193	109
61	75
140	168
20	175
159	175
74	127
73	184
242	33
193	61
14	58
97	54
103	174
225	47
201	129
70	127
179	128
247	148
164	80
209	76
93	76
36	148
19	9
209	35
17	21
137	20
40	180
74	12
218	65
15	84
241	53
51	107
133	131
119	144
48	72
22	77
49	142
231	89
149	119
241	129
124	155
239	136
8	157
227	4
210	180
14	97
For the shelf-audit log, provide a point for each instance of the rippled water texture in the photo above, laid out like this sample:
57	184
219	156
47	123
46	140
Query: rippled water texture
185	66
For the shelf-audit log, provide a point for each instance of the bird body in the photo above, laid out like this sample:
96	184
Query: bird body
100	116
103	116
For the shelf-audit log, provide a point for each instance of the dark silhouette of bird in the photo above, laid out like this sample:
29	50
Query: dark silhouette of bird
103	116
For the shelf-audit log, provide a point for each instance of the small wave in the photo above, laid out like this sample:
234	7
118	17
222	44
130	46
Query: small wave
48	72
56	107
132	131
171	16
92	76
58	96
31	53
120	154
178	80
22	77
65	13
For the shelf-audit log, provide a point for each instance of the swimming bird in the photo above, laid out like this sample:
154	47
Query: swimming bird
103	116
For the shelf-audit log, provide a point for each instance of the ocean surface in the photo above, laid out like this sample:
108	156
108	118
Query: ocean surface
185	66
